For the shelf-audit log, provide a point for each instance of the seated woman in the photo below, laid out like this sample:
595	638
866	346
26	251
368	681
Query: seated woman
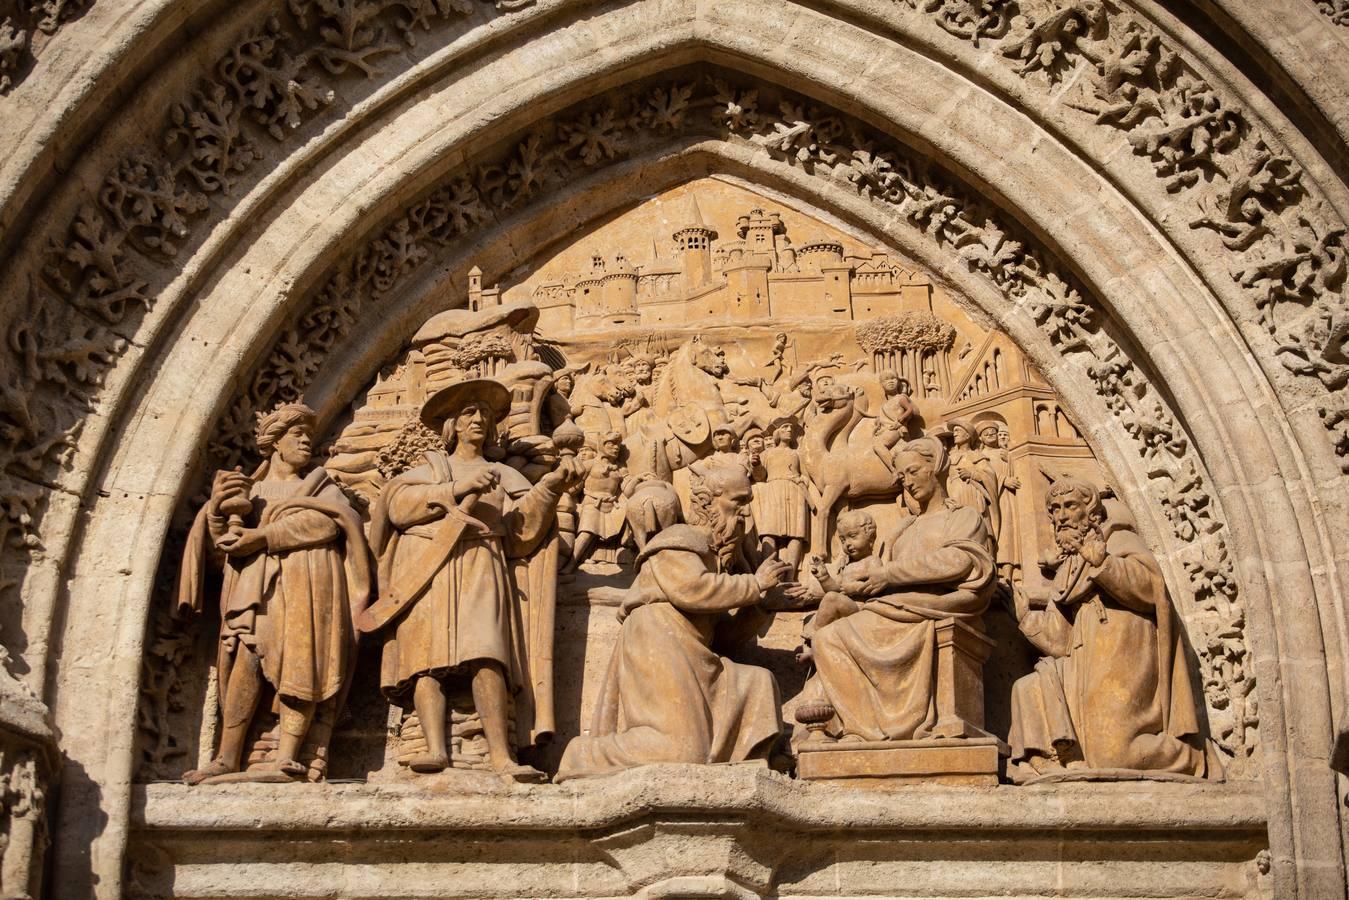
877	665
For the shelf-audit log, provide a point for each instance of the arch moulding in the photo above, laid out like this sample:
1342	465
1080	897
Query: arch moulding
1094	179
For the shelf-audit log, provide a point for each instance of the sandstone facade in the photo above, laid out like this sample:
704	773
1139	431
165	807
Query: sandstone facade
1110	230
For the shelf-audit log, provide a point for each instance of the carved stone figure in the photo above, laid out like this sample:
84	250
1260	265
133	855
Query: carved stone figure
1113	689
1007	537
781	502
602	510
296	575
670	695
877	665
973	482
896	409
451	604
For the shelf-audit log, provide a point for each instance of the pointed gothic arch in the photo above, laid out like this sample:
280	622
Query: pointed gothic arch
1072	198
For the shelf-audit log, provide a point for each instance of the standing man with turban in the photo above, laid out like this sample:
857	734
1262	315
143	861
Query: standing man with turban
296	575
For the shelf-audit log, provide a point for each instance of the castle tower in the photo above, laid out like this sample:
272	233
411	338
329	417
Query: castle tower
759	231
618	293
695	247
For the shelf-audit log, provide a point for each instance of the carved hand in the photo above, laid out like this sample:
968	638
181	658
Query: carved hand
771	573
243	543
873	582
478	483
569	473
1093	550
1012	483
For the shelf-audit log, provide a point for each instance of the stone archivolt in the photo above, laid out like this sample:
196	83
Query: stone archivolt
826	145
80	307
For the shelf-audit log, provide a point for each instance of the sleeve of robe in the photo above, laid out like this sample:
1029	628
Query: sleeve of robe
1049	630
528	517
686	582
962	560
305	528
1129	575
410	502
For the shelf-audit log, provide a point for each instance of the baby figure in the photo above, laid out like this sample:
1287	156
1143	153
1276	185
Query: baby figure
857	534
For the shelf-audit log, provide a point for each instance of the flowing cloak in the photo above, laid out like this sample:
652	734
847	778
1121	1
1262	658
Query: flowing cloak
294	604
1115	681
878	666
667	695
981	491
493	598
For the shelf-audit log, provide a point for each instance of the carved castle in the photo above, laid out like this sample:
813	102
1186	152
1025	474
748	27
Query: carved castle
759	276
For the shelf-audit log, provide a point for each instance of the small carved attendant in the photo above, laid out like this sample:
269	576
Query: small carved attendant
973	483
296	575
781	502
1113	691
669	694
896	409
602	510
444	533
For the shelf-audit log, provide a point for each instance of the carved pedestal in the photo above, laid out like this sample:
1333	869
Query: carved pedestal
959	750
891	764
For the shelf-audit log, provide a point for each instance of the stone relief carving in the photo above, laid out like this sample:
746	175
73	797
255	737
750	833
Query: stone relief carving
296	577
820	142
1113	690
1284	245
541	450
26	26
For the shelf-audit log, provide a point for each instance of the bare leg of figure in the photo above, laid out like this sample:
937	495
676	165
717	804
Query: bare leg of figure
585	542
241	701
296	715
428	698
491	702
794	553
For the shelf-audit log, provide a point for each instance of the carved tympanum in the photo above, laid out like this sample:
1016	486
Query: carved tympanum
835	505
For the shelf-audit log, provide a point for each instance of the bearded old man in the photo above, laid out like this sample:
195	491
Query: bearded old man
669	695
453	607
296	574
1113	691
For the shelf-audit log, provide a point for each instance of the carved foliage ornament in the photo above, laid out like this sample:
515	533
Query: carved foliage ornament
828	145
1283	244
83	302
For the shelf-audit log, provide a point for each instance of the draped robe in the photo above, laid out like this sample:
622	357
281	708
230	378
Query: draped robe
668	696
492	599
878	666
1114	682
294	604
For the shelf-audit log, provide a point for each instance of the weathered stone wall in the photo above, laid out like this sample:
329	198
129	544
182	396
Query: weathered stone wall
211	207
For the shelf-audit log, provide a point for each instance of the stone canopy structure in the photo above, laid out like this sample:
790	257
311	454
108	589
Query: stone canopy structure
539	448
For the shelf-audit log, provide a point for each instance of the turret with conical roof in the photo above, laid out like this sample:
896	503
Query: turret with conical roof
695	247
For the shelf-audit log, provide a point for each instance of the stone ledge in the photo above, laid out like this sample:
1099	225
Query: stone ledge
713	792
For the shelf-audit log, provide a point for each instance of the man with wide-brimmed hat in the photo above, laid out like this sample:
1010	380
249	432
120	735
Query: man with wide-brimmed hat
445	533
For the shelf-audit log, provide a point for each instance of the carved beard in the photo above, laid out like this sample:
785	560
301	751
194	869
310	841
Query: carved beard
726	533
1070	536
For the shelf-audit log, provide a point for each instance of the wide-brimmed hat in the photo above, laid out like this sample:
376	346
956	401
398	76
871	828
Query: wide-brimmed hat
448	401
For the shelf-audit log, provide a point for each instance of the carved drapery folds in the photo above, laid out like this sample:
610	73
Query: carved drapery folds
827	145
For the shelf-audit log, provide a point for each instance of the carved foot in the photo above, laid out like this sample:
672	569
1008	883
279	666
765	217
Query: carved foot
522	773
427	763
292	768
213	769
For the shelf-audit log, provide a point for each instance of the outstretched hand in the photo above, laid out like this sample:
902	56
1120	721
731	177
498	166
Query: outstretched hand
772	572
